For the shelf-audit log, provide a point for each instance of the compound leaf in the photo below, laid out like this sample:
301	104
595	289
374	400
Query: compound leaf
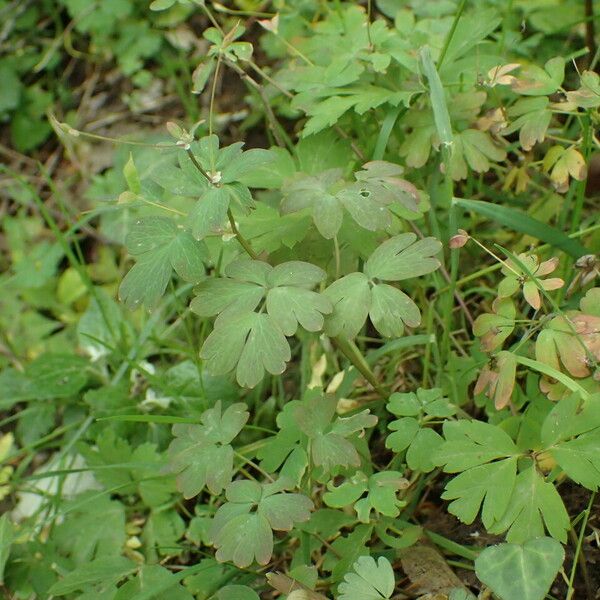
201	455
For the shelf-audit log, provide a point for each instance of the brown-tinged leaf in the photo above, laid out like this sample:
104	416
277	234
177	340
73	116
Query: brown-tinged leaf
428	571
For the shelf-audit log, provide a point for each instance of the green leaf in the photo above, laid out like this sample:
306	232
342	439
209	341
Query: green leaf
100	523
371	580
535	81
391	309
491	485
202	455
236	592
437	97
329	446
289	301
159	246
243	536
104	571
535	506
525	572
251	341
6	540
350	297
572	435
472	443
402	257
382	489
209	214
151	581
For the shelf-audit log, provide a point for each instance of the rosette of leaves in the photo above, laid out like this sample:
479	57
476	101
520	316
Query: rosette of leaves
217	185
381	494
201	455
411	432
242	528
527	273
370	200
361	294
571	341
253	341
310	428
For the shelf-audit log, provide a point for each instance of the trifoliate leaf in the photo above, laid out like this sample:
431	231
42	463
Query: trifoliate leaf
351	300
243	536
201	455
526	572
329	446
494	328
289	301
317	194
535	506
371	580
382	494
159	246
251	343
402	257
431	402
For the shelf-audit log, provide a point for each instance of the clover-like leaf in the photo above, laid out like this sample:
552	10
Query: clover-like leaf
360	294
329	446
525	572
159	246
202	455
242	527
382	494
371	580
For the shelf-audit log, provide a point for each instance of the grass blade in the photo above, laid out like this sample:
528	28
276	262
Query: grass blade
519	221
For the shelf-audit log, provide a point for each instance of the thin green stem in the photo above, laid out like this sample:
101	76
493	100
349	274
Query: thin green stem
354	355
450	35
240	238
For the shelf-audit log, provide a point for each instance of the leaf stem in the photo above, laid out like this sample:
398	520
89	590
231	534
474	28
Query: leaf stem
354	355
240	238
